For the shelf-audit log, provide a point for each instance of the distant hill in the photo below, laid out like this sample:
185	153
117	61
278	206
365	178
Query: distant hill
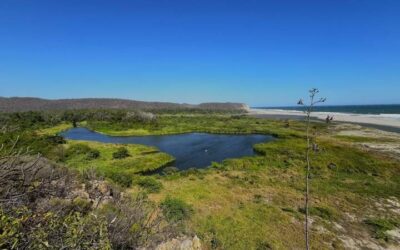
17	104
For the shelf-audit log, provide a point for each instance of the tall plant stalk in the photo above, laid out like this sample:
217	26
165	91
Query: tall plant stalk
310	146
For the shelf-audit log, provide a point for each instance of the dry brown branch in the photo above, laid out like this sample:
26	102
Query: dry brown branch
310	146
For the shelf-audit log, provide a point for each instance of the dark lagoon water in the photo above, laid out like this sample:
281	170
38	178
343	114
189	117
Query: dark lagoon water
195	150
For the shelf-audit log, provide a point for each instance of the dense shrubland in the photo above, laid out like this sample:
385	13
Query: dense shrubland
45	205
18	104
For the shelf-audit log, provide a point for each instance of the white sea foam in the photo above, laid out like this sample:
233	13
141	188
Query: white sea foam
395	116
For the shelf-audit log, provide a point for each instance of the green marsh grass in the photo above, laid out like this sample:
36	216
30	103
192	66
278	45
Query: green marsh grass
255	202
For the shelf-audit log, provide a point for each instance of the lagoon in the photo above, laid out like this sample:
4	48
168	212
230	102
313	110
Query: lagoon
191	150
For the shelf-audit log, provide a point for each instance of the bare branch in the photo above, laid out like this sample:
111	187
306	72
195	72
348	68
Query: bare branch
310	147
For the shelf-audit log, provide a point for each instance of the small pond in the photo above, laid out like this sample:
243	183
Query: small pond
196	150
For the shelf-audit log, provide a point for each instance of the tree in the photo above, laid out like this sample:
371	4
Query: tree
311	145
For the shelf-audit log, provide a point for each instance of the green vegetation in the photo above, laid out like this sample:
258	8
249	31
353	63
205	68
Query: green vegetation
92	154
81	149
220	124
176	209
77	149
150	184
55	129
363	139
248	203
322	212
121	153
381	225
112	162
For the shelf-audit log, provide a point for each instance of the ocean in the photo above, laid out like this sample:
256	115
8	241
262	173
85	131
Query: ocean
384	110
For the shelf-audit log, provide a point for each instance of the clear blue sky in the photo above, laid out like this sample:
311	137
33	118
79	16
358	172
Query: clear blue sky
257	52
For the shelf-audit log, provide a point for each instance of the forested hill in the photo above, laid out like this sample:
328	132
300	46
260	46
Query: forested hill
18	104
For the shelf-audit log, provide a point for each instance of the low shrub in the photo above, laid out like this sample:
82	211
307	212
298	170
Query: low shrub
56	139
121	178
121	153
175	209
381	225
150	184
170	170
322	212
93	154
130	226
192	171
77	149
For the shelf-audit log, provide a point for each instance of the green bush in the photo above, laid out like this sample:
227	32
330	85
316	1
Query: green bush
92	154
176	209
83	149
121	178
121	153
150	184
56	139
77	149
323	212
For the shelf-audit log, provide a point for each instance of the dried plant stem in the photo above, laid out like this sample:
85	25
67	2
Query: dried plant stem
309	110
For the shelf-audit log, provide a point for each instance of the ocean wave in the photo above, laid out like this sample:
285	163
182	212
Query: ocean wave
395	116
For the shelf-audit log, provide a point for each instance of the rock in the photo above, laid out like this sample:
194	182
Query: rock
353	243
103	188
196	243
338	227
351	217
183	243
79	193
394	234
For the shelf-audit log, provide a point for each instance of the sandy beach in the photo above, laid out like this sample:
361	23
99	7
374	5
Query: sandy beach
387	120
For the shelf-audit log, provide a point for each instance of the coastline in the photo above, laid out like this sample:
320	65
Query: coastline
382	122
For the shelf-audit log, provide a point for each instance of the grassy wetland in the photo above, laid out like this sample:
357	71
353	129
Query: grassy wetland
253	202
